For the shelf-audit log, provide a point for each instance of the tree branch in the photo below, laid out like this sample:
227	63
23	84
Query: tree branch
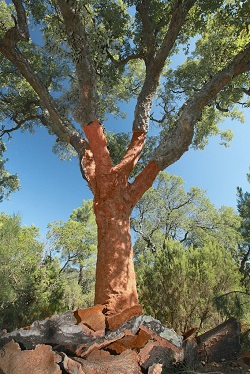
147	27
85	68
143	181
232	292
178	18
132	155
155	62
97	161
21	20
8	48
19	124
178	139
125	60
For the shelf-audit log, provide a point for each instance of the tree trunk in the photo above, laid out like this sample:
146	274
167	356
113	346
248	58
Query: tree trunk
114	199
115	275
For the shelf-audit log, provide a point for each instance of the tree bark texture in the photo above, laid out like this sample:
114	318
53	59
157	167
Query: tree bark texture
114	199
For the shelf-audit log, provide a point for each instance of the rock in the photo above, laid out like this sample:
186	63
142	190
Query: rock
158	331
85	350
116	320
91	317
60	331
221	343
40	360
139	339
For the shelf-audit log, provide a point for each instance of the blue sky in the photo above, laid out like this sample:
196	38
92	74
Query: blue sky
52	188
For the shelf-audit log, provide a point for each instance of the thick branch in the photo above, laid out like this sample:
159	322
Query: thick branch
147	27
98	146
125	60
21	20
143	181
178	18
85	68
132	155
179	138
96	161
155	63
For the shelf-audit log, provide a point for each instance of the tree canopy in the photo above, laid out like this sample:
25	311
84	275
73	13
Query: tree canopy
67	61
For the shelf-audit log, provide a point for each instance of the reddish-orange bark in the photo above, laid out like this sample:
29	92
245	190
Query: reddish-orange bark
114	199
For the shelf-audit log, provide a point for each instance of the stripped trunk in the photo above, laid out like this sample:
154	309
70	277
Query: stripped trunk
114	199
115	275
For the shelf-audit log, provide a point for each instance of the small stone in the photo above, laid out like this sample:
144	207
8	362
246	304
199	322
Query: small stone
189	332
148	323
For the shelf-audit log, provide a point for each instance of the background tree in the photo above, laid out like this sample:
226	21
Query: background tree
167	211
189	281
30	286
8	182
74	242
243	204
86	64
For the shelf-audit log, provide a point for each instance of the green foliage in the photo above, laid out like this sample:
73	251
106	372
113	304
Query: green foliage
167	211
74	242
222	33
8	182
190	254
243	204
30	286
179	285
37	282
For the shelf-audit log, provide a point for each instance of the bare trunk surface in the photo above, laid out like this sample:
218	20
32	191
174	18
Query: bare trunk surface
115	275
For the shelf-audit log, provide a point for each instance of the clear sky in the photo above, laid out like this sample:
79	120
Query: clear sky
51	188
